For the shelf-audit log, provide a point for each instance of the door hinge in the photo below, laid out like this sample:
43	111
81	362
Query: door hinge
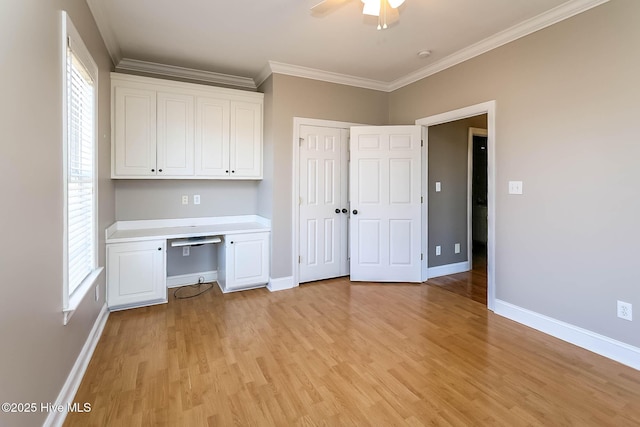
421	257
300	201
421	199
422	143
300	140
299	259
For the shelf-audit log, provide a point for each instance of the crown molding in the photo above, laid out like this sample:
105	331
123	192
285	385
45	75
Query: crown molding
553	16
127	64
110	42
325	76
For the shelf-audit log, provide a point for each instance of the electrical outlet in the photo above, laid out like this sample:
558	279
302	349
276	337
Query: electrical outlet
185	200
196	199
625	310
457	248
438	250
97	292
185	251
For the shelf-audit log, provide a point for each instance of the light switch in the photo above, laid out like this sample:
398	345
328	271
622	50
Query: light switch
515	187
456	248
196	199
438	187
438	250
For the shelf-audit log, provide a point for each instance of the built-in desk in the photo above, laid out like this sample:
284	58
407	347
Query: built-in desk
137	255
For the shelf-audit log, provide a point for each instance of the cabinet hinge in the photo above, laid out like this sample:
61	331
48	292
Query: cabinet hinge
299	259
422	143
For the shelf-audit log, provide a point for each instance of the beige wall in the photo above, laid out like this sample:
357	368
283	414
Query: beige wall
448	164
297	97
566	108
37	351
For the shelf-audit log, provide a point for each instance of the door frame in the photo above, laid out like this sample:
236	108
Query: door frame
295	180
472	132
488	108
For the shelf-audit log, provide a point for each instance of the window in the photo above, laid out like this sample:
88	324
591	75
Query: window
80	187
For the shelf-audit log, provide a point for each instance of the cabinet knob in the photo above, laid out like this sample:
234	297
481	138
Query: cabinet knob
226	171
159	249
231	242
233	171
159	170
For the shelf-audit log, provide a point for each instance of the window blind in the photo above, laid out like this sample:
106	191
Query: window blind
80	174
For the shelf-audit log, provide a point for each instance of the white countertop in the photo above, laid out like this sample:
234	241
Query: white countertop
135	231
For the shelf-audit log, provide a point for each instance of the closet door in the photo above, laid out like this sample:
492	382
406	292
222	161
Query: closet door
323	203
385	192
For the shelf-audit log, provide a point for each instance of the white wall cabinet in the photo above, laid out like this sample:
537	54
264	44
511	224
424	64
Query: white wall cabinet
244	261
134	132
164	129
136	274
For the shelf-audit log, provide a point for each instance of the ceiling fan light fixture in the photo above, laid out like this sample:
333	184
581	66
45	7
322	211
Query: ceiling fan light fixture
371	7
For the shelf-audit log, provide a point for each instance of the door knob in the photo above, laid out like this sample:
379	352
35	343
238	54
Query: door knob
344	210
337	210
355	212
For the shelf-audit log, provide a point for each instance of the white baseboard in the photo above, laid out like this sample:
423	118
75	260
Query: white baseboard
445	270
191	279
599	344
280	284
70	387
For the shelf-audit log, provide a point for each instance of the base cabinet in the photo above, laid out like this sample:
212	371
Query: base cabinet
136	274
243	262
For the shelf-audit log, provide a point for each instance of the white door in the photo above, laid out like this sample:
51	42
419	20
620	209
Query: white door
175	134
385	192
323	203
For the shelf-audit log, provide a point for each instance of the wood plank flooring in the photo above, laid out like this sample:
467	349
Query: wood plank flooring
471	284
336	353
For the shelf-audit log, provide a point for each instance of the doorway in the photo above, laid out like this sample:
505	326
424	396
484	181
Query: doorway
487	108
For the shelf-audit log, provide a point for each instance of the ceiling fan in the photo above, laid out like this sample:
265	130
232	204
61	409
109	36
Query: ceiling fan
385	10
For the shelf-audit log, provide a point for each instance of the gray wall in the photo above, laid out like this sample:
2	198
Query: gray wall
448	164
291	97
566	107
162	199
37	350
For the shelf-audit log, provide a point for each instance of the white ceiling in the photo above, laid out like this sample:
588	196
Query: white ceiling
240	37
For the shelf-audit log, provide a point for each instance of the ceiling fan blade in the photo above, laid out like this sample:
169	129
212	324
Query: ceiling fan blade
319	7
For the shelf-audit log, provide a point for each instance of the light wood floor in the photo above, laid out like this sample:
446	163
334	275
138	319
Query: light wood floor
471	284
334	353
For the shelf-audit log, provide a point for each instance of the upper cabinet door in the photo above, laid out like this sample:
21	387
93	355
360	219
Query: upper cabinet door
134	148
175	135
212	137
246	140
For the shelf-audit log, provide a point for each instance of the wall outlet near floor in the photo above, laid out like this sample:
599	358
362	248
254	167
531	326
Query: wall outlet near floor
438	250
185	200
456	248
625	310
185	251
